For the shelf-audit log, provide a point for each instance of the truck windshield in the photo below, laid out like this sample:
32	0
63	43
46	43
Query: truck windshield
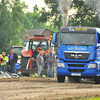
34	44
85	39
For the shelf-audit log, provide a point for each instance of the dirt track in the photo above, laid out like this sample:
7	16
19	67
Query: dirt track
46	89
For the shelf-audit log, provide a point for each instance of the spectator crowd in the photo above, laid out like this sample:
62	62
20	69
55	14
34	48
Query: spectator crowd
43	60
12	60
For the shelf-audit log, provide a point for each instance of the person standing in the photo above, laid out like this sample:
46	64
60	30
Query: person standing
3	62
50	62
44	57
12	61
39	47
0	62
40	63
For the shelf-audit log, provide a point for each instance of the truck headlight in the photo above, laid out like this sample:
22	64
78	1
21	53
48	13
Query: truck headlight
60	64
92	66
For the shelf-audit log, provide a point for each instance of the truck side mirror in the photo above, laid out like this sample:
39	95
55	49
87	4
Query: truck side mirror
54	38
97	47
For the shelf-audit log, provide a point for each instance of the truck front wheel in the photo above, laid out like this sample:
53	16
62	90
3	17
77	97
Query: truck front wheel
60	78
97	79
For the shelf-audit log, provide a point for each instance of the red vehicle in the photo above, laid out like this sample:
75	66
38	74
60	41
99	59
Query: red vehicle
29	54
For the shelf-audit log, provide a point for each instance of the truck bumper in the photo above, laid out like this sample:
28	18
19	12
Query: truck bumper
85	73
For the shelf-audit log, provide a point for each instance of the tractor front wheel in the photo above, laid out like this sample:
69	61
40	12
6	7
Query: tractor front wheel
60	78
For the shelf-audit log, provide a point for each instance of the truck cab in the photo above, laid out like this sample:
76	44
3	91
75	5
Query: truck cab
78	53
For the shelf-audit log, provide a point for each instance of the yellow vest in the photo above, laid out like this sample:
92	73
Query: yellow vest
3	63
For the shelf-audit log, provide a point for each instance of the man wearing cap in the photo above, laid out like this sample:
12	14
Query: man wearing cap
12	61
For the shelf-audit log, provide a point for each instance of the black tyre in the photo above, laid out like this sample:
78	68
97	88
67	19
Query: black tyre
24	61
97	80
74	79
60	78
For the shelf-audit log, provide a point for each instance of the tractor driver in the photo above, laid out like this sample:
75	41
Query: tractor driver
39	46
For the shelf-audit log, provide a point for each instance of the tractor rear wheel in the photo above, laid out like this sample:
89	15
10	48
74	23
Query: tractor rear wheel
24	61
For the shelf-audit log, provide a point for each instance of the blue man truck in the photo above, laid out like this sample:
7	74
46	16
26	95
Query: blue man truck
78	54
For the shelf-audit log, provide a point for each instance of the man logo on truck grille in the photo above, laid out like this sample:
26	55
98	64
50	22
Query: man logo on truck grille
76	55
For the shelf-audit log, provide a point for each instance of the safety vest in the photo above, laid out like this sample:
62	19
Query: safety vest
38	49
4	61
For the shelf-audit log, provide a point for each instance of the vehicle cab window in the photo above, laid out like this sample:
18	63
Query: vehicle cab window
98	38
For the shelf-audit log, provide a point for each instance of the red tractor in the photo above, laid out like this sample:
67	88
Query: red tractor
29	54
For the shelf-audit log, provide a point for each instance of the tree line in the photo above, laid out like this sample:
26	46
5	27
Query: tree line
15	21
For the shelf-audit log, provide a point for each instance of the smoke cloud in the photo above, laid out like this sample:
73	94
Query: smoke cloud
95	5
64	8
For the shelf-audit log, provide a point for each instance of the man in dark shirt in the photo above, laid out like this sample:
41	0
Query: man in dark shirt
12	61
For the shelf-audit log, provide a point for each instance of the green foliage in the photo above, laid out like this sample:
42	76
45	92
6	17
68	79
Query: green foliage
32	21
14	22
54	13
5	28
43	16
95	98
84	16
38	20
18	21
11	23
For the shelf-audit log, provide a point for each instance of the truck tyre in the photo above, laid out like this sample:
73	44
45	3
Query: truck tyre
74	79
97	80
24	61
60	78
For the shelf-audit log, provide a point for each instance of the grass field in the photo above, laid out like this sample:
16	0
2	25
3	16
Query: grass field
95	98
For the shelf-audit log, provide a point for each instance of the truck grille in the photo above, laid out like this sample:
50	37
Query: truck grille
74	65
76	55
76	70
